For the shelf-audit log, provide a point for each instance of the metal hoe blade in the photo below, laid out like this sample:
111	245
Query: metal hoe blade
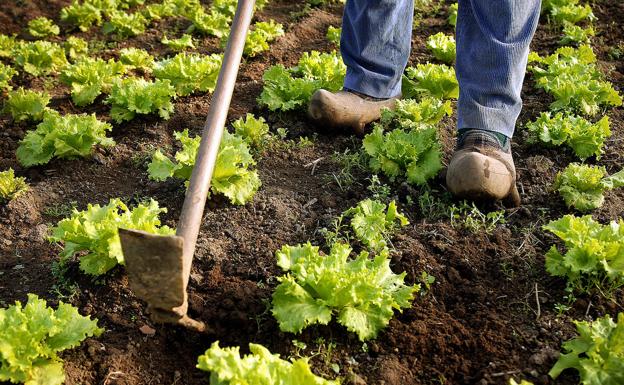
156	275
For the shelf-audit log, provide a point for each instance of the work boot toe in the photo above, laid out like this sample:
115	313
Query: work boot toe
482	169
346	109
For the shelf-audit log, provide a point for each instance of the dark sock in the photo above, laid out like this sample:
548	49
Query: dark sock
502	138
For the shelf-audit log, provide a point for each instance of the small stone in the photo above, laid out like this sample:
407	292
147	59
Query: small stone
147	330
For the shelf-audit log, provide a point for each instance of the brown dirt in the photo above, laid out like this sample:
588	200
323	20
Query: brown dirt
477	325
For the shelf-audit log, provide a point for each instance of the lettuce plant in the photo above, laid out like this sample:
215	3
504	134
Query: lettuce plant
179	44
136	58
75	47
597	353
40	57
261	35
33	335
66	137
190	72
362	292
227	367
157	11
11	186
442	47
43	27
570	11
7	45
404	144
582	136
373	222
183	8
212	24
6	74
437	80
582	186
572	77
125	24
232	175
575	34
288	89
133	96
228	7
94	231
452	16
26	104
89	78
253	130
83	15
592	258
333	35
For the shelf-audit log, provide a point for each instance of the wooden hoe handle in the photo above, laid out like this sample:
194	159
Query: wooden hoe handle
195	200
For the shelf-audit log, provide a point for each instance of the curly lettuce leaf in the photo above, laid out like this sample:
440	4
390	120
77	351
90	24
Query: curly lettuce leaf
572	77
226	366
597	353
94	230
133	96
593	257
373	222
26	105
42	27
11	186
189	73
66	137
289	89
362	293
89	78
437	80
232	175
33	335
442	47
40	57
582	136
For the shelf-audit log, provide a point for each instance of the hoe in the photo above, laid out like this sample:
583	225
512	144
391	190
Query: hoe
159	266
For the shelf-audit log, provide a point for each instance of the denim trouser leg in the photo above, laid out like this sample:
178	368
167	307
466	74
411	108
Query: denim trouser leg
492	48
375	45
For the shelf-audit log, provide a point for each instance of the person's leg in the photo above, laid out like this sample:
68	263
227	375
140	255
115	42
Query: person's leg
492	48
375	45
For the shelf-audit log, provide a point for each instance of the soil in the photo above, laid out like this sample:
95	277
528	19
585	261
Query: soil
489	316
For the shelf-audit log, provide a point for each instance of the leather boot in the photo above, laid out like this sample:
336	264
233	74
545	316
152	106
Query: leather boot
346	109
481	169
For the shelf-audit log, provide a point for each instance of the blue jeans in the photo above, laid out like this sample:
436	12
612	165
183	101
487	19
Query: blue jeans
492	48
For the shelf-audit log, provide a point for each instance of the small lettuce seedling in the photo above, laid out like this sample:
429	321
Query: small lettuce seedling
437	80
582	136
291	88
11	186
